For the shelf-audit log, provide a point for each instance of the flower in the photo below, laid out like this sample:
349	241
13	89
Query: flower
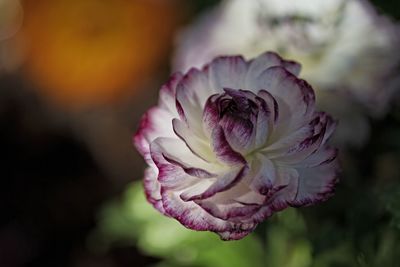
339	44
85	53
10	18
234	142
10	22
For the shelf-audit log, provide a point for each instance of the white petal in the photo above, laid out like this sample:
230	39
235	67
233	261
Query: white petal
227	72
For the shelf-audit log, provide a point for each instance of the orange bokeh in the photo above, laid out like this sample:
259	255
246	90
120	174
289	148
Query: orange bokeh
91	52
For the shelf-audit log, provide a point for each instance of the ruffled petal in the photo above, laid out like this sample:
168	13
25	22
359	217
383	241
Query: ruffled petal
194	217
195	83
316	184
176	162
239	132
224	182
286	187
152	125
166	98
223	150
283	191
210	115
197	145
315	134
152	189
229	211
264	123
271	103
263	174
238	203
267	60
227	72
190	214
324	155
286	142
189	109
295	98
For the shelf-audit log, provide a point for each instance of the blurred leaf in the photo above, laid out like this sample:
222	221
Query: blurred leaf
341	255
392	200
287	243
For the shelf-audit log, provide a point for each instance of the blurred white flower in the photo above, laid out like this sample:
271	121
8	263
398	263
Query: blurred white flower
342	45
234	142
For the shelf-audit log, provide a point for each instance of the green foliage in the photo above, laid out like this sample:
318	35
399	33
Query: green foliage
287	244
392	201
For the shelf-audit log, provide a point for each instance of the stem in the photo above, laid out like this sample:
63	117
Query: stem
265	243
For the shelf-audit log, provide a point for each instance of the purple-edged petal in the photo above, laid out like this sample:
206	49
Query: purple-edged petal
177	165
266	118
263	174
287	183
225	181
315	134
166	99
170	174
238	203
190	214
316	184
241	114
285	143
324	155
191	94
285	177
189	109
195	83
197	145
301	150
294	96
152	189
330	127
194	217
284	190
227	72
271	103
210	114
152	125
239	132
223	150
292	66
267	60
235	234
192	171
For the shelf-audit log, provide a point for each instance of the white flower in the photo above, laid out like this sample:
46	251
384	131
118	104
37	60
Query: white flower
234	142
343	45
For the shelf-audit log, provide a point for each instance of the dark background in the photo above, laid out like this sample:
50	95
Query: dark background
59	165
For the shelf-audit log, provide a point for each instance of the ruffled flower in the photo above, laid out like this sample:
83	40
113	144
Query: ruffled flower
84	53
234	142
343	46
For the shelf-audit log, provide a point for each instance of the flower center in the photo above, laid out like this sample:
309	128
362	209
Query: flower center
239	115
238	107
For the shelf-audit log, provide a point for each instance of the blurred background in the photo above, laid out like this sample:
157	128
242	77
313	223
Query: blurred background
75	78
